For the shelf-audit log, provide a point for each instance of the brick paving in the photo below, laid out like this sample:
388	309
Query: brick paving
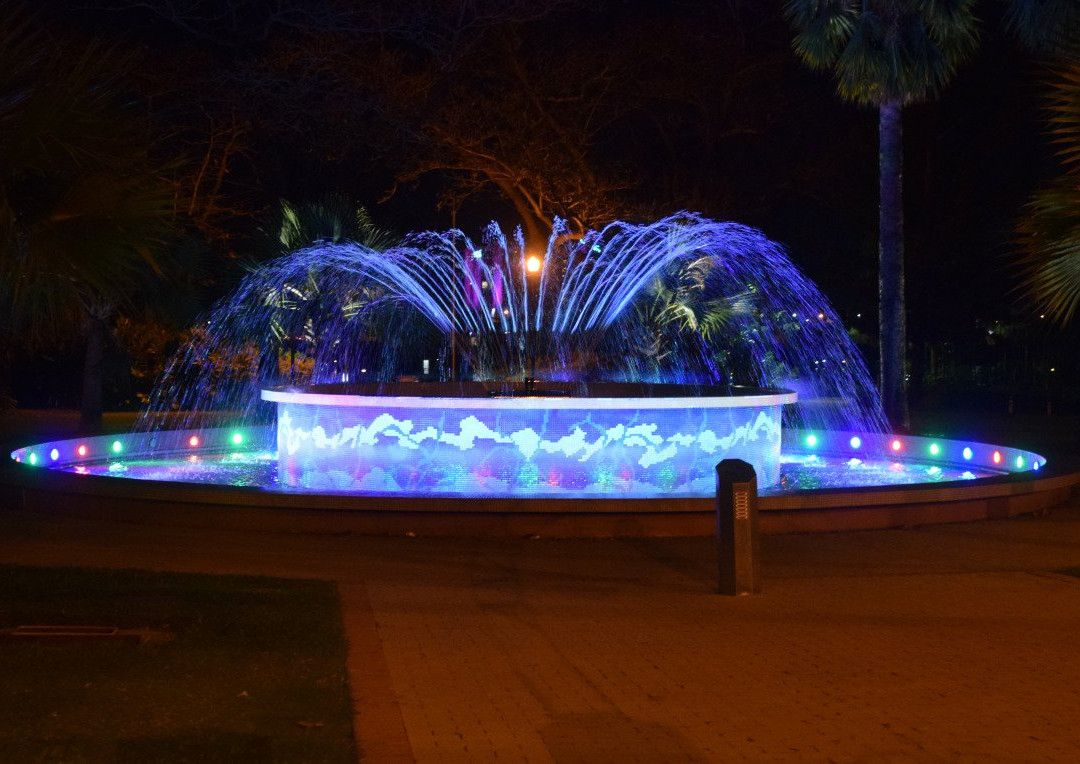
948	643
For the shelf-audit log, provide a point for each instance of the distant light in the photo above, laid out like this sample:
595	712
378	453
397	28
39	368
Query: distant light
858	315
1019	462
237	438
1052	369
821	315
897	445
811	440
533	264
794	315
32	459
477	253
1042	315
81	450
117	446
935	449
363	371
997	457
968	453
596	248
855	442
484	284
54	454
193	441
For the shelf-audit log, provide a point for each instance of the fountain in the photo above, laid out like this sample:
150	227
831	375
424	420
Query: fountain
619	367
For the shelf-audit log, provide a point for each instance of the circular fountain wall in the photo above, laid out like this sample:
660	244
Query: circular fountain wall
498	440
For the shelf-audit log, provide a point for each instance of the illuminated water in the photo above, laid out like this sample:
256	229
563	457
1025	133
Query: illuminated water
681	300
798	472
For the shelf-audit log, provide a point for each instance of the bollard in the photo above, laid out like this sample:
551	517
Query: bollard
737	528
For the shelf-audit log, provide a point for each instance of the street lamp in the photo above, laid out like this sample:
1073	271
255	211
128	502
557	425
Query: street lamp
533	266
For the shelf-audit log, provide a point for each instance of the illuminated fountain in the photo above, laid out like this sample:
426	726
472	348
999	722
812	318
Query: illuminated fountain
623	365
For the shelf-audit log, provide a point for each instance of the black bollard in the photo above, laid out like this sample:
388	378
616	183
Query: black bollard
737	528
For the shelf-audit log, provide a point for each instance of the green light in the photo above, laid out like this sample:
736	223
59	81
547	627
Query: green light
811	440
1019	462
935	449
117	446
237	438
32	459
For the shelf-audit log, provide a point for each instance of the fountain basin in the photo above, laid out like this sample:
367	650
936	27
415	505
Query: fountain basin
499	440
205	478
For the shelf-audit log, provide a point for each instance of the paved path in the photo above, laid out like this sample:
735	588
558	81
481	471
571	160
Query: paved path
953	643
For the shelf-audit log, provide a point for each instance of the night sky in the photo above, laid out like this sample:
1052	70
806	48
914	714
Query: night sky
612	109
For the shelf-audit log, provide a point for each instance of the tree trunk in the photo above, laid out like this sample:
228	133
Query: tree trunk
891	314
93	370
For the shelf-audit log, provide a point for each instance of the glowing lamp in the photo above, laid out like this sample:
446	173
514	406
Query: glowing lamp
968	453
1036	465
997	457
32	459
81	450
193	441
117	446
533	263
935	449
855	442
237	438
811	440
896	445
54	454
1019	462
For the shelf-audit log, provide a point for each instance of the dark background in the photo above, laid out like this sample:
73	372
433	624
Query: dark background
678	105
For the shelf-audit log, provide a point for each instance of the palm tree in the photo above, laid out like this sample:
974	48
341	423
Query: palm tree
887	54
1049	230
84	212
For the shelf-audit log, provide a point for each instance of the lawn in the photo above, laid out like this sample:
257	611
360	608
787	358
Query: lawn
206	668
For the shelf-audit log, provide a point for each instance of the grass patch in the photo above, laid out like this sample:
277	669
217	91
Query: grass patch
250	669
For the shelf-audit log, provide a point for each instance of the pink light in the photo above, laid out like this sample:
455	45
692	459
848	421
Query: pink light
897	445
193	441
81	450
997	457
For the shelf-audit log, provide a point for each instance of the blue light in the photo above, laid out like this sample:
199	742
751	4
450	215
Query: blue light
477	254
856	442
811	440
596	248
968	453
1036	465
54	454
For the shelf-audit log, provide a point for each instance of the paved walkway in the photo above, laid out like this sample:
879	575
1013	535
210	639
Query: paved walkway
953	643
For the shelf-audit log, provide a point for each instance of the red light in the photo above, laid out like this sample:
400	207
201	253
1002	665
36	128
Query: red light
193	441
81	450
897	445
997	457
